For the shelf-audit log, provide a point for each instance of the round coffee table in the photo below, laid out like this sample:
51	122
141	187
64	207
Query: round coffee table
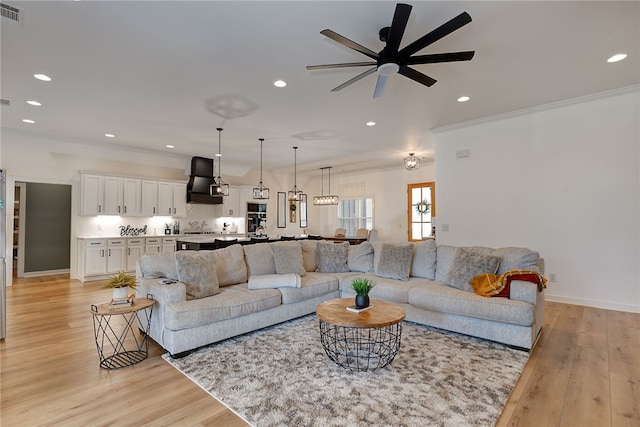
363	341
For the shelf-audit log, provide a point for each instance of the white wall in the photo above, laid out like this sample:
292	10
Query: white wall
563	180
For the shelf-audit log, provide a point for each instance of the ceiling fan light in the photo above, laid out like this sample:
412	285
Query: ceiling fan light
388	69
412	162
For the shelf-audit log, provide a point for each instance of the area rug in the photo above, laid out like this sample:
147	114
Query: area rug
281	376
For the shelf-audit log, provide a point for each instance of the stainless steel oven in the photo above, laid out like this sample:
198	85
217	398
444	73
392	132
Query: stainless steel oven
256	219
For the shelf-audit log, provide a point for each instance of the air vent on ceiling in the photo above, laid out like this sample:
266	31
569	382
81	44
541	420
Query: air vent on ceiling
5	102
11	13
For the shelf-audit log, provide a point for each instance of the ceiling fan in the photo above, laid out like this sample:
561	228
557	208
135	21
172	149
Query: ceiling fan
392	59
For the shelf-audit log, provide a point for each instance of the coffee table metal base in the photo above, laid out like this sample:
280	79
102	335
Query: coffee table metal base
361	349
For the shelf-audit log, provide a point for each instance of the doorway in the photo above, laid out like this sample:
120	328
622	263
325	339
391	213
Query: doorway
44	229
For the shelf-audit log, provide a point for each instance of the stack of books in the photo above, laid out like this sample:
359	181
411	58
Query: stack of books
121	302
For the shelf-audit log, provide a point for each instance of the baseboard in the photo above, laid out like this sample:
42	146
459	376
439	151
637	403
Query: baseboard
607	305
46	273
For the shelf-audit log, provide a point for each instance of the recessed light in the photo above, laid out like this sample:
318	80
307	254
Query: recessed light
371	123
617	57
169	146
42	77
28	121
279	83
34	103
109	135
218	155
463	99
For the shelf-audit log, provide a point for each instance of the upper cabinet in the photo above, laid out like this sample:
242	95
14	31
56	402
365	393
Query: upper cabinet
114	195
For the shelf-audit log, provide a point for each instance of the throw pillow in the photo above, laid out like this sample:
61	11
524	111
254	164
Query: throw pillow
360	257
424	260
197	270
159	265
309	253
259	259
230	265
332	257
288	258
467	264
395	261
516	259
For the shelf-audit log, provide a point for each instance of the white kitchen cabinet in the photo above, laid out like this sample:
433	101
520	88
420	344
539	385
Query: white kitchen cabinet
95	257
91	194
153	245
149	199
113	195
116	255
231	203
135	250
169	244
172	199
132	196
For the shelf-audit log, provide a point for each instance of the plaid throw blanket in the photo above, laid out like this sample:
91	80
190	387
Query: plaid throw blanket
492	285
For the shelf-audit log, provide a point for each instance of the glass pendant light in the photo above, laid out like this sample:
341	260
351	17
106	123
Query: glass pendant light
412	162
295	194
329	199
219	188
260	192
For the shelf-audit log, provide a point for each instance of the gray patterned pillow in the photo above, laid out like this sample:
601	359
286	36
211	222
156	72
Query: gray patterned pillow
159	265
467	264
332	257
360	257
288	258
197	270
395	261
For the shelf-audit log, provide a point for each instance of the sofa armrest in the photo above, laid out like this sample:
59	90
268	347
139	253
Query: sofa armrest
164	294
525	291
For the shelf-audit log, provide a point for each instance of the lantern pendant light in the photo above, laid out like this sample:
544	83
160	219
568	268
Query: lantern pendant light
260	192
219	188
295	194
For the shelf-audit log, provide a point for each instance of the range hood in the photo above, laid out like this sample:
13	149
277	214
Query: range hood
200	180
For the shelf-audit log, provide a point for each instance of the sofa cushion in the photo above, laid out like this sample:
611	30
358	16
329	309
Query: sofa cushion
360	257
395	261
332	257
309	254
288	258
259	259
467	264
391	290
230	265
312	285
445	299
445	255
232	301
197	270
163	264
424	259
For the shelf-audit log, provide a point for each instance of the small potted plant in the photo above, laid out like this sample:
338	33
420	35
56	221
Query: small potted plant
362	286
167	229
120	283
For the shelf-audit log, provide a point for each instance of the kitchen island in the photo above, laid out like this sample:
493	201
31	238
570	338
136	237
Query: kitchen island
224	240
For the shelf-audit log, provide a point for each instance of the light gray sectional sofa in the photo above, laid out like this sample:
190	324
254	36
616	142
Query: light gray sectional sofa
227	292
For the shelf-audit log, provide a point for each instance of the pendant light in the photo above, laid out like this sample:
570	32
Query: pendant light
260	192
412	162
328	199
219	188
295	194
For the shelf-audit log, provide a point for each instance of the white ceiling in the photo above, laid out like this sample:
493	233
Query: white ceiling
150	72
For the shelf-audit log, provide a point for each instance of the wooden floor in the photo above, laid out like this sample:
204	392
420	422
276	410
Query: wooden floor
585	370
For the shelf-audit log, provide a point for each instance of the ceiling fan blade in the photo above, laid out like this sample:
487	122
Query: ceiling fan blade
398	25
349	43
440	57
445	29
380	84
355	79
343	65
417	76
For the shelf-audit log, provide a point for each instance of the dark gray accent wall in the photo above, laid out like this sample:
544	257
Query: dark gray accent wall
47	237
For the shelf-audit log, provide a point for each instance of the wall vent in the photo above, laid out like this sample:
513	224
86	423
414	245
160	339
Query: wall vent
11	13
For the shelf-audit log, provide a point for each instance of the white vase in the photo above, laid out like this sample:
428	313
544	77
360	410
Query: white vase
121	292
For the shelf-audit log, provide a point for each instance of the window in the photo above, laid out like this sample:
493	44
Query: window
421	199
354	214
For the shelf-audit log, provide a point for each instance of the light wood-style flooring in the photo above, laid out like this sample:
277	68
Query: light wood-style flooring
584	371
